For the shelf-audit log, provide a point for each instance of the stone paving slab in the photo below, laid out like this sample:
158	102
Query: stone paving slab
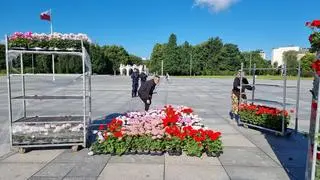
256	173
36	156
56	170
194	172
236	140
132	171
18	171
240	156
87	170
137	159
187	160
225	129
80	178
68	156
45	178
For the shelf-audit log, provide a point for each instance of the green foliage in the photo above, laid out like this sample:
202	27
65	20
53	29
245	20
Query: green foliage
2	57
291	60
264	120
193	148
173	143
157	145
117	55
208	58
306	62
214	146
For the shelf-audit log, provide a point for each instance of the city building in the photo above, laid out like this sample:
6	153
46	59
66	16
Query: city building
263	54
277	53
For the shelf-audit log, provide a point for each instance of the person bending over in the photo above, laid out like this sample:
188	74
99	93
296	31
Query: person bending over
146	91
235	94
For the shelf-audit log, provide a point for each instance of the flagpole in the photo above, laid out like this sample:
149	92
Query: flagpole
51	22
53	68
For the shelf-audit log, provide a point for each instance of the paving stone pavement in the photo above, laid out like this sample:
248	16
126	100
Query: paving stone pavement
248	153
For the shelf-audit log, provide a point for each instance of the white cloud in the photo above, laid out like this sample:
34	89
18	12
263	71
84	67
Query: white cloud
215	5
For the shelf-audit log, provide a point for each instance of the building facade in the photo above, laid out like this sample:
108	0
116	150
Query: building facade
277	54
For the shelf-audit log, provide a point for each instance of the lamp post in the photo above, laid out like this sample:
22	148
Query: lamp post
190	64
250	63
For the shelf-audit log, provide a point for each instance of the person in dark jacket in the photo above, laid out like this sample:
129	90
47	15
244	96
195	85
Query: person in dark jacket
235	94
143	77
135	82
146	91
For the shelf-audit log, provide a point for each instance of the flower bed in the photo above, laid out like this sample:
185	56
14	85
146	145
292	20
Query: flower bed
169	129
55	41
264	116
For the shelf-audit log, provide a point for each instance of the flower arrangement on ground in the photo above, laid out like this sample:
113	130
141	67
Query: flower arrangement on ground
169	129
55	41
264	116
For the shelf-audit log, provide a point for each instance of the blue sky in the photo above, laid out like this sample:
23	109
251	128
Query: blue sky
139	24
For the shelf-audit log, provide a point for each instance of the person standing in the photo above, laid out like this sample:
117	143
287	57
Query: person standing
235	94
135	82
146	91
143	77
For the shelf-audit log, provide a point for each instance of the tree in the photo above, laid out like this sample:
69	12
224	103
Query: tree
185	52
171	60
157	56
134	60
291	60
306	62
230	59
117	55
255	58
2	57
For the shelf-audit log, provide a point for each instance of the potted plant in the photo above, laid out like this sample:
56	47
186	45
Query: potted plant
193	148
213	148
120	145
156	147
173	146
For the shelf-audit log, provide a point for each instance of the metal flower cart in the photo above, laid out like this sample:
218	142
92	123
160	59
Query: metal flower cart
284	105
47	131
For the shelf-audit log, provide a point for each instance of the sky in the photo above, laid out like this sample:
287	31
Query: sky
138	24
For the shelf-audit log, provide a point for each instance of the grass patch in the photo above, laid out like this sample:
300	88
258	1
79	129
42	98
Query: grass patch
263	77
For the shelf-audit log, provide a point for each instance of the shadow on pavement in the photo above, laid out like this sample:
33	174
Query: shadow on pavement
291	152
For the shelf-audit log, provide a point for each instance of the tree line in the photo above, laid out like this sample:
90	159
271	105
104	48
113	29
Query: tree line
212	57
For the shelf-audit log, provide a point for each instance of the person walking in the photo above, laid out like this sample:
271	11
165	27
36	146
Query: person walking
143	77
146	91
135	82
235	94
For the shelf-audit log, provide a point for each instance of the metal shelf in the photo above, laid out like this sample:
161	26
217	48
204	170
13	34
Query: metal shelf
48	119
25	51
36	97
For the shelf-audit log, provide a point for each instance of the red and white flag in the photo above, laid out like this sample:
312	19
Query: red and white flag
46	15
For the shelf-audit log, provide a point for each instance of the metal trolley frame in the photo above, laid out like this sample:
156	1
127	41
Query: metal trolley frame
284	97
84	119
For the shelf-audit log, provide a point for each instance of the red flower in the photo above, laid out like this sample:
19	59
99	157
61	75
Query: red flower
315	23
118	134
115	125
187	110
316	66
101	127
105	135
171	118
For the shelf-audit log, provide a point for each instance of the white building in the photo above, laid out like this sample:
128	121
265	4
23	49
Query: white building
277	53
125	69
263	54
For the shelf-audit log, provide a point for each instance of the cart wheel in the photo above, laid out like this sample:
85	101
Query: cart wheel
75	148
22	150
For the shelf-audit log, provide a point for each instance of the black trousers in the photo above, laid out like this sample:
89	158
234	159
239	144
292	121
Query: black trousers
134	89
146	105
